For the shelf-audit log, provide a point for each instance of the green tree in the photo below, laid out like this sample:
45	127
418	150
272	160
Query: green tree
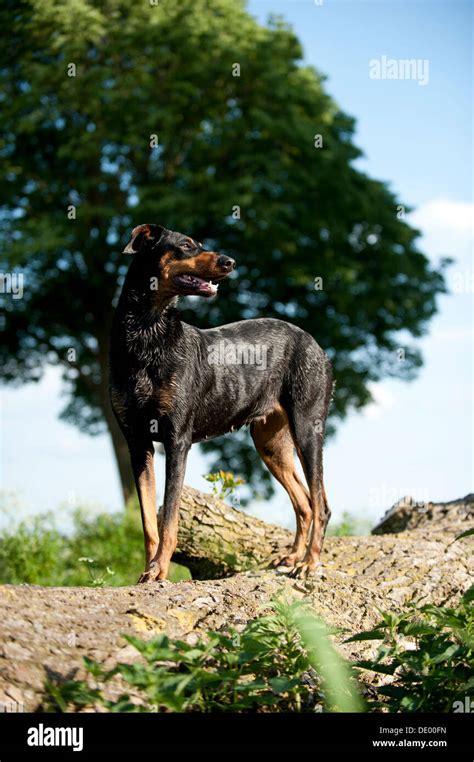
190	114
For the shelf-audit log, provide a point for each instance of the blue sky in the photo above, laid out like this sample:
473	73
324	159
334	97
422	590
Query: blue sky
416	438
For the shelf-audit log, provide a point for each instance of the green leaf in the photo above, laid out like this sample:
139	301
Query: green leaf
282	684
468	596
341	693
467	533
376	634
374	666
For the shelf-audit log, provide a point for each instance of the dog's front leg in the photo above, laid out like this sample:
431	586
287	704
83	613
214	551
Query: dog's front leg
176	456
141	456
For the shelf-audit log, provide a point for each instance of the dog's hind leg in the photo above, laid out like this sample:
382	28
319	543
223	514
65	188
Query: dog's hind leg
142	456
307	424
274	443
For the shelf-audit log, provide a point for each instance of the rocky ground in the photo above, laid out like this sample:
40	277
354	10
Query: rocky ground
46	632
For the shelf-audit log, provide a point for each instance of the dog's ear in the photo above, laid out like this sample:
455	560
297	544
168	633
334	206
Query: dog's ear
143	237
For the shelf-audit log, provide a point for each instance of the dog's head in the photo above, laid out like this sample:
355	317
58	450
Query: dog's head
183	266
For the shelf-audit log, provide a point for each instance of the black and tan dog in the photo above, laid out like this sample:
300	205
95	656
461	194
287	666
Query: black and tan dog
176	384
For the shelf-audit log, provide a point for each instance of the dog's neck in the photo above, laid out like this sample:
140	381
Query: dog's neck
149	323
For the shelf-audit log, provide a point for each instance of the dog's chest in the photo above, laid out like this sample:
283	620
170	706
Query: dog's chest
157	394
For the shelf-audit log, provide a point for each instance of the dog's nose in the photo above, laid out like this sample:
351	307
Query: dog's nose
226	263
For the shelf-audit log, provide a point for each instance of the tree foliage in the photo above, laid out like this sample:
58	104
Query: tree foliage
222	141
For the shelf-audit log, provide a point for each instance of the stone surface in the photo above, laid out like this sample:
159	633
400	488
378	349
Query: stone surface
410	514
46	632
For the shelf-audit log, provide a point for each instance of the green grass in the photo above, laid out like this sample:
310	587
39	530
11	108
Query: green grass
349	525
102	548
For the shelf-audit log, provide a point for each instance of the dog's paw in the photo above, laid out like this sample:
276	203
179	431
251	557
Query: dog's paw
286	563
144	577
304	569
154	573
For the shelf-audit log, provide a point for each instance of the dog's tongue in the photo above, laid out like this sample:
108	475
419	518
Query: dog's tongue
199	284
207	287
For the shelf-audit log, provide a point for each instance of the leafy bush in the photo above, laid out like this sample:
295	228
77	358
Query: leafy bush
282	661
429	651
36	552
349	526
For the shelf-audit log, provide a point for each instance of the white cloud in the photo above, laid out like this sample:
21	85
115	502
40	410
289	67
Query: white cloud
455	334
447	229
455	216
383	400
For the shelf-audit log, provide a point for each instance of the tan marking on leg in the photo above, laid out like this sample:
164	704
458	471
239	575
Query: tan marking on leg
144	473
320	507
275	445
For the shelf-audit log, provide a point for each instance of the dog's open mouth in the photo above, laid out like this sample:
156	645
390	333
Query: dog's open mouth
198	286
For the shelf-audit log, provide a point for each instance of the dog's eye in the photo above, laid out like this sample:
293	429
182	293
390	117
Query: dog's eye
186	246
